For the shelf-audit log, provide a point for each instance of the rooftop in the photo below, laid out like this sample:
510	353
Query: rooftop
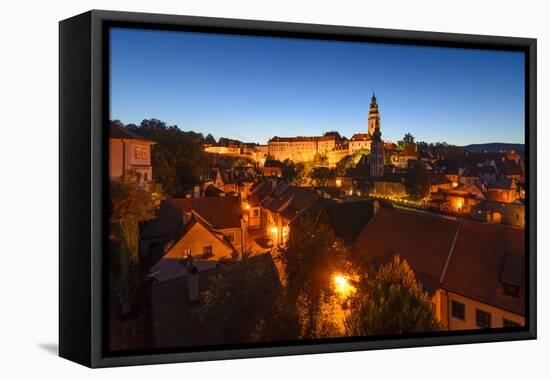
118	132
483	258
218	212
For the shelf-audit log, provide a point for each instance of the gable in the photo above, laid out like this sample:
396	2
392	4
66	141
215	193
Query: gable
195	239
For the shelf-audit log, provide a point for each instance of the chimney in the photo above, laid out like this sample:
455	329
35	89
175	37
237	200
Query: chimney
192	280
196	191
375	206
187	215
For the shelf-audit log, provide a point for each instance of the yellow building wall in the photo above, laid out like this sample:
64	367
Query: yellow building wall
451	323
386	188
195	240
115	158
122	157
356	145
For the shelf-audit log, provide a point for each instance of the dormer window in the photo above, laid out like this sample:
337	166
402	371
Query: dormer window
511	290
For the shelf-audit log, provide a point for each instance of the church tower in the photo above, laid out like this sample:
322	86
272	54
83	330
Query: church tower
374	116
376	154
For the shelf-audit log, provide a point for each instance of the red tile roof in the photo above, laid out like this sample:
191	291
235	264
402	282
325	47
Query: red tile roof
176	322
476	266
409	150
483	257
117	132
289	200
361	137
423	240
220	212
509	168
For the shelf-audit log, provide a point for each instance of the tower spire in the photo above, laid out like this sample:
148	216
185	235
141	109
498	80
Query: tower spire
374	115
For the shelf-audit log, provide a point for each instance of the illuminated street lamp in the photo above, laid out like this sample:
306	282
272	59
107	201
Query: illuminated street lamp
342	286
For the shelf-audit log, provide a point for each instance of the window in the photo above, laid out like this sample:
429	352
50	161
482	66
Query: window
207	252
511	290
256	212
457	310
230	236
483	319
510	323
140	153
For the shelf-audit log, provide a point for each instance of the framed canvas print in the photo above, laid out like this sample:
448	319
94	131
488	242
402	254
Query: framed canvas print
234	188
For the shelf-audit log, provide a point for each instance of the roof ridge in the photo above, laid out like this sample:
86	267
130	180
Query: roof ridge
451	250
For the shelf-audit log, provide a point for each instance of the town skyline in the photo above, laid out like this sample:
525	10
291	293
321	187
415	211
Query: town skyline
457	96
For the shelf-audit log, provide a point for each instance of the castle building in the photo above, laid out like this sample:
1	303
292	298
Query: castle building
306	148
301	148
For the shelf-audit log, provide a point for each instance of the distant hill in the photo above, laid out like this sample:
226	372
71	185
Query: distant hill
495	147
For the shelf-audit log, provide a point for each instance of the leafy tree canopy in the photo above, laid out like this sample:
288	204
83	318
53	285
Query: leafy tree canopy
417	180
407	139
321	175
312	257
391	302
240	297
293	173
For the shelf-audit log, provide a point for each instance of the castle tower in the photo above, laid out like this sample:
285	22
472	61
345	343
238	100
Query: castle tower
374	116
377	154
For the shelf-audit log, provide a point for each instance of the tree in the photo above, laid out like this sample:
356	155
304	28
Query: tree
346	163
320	160
320	175
310	260
240	297
417	180
131	204
390	302
407	139
293	173
178	159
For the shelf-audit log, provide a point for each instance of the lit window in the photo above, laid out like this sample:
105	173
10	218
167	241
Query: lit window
483	319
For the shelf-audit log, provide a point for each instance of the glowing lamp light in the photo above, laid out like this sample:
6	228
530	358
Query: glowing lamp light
247	207
274	230
342	286
338	182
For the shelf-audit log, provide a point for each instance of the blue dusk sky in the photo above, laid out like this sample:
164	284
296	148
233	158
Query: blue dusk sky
253	88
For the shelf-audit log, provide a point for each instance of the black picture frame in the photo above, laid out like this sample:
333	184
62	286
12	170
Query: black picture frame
83	109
